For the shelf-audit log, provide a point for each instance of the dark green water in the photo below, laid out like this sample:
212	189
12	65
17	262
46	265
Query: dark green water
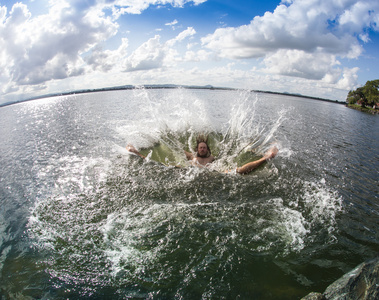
82	218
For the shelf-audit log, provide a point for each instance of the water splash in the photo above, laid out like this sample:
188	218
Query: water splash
169	124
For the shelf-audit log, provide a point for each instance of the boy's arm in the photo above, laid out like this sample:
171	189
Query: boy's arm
131	148
188	155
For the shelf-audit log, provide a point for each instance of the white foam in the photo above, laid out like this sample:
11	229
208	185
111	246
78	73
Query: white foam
3	256
289	225
122	233
83	173
323	202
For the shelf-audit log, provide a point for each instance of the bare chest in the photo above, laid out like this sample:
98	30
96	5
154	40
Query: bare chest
202	161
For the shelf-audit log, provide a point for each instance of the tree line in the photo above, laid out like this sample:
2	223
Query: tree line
367	95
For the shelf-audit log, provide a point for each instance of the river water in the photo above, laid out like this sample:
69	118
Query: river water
81	217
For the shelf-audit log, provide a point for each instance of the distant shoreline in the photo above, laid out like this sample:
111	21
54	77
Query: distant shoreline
166	86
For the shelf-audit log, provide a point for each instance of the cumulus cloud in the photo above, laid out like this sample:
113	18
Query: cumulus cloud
154	54
149	55
67	41
303	25
181	36
349	79
48	47
300	38
106	60
299	63
197	56
172	24
120	7
362	14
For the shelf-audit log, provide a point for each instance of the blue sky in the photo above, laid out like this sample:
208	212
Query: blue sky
321	48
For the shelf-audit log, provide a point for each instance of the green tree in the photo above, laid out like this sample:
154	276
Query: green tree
356	96
366	95
371	91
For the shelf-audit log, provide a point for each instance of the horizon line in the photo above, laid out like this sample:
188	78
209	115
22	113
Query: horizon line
161	86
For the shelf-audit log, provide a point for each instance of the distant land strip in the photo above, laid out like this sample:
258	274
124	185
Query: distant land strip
160	86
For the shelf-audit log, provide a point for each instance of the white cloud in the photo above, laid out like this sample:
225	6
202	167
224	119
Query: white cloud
48	47
361	14
154	54
120	7
299	63
66	41
301	38
149	55
349	79
197	56
364	37
106	60
304	25
172	23
191	45
197	2
181	36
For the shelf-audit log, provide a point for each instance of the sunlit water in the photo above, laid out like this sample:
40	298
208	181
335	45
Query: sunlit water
82	217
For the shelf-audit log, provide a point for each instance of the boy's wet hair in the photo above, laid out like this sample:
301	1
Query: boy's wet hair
201	138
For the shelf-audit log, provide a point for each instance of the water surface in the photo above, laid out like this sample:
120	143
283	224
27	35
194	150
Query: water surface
81	217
